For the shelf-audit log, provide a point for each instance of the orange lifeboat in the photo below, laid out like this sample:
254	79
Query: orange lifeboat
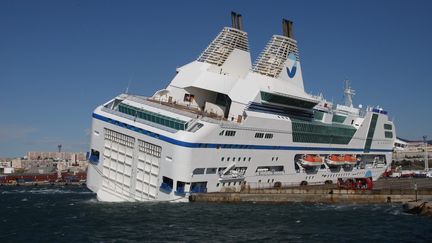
335	159
350	159
311	160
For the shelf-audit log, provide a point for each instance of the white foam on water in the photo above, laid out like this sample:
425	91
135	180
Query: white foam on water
91	200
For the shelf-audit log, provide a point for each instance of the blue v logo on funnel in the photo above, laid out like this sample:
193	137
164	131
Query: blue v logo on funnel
291	73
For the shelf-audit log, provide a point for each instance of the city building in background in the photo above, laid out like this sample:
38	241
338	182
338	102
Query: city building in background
37	166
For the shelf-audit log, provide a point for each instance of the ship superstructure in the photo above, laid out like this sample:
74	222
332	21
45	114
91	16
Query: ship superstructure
224	123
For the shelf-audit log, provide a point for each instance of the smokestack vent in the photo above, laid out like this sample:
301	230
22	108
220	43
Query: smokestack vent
237	21
287	27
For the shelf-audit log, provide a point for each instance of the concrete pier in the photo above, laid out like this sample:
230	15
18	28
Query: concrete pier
394	190
315	196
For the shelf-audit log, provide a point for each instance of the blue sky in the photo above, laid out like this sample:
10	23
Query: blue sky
60	59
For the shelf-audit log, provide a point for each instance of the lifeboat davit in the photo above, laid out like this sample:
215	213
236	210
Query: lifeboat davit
311	160
335	159
350	159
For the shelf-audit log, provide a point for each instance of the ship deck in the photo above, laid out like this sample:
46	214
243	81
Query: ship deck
191	112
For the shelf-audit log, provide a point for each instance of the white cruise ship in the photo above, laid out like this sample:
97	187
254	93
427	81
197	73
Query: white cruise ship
225	123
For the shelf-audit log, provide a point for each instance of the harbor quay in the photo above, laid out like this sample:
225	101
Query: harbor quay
401	190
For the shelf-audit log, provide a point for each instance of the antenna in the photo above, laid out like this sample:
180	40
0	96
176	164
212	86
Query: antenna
348	93
129	83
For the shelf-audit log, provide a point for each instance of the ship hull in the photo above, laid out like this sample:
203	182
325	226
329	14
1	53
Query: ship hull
195	164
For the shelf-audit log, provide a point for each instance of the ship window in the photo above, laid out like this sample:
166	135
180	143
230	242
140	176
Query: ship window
119	138
239	159
221	133
198	187
149	148
316	132
94	157
249	159
217	185
221	169
388	126
244	158
180	187
167	183
188	97
153	117
222	159
228	159
259	135
388	134
338	118
318	115
268	135
230	133
270	169
198	171
211	170
233	158
278	99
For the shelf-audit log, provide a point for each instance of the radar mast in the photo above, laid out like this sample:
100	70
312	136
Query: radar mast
348	93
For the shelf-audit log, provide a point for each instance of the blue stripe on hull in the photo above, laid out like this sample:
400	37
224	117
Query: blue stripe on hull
224	146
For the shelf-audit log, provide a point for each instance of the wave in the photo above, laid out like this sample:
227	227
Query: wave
46	191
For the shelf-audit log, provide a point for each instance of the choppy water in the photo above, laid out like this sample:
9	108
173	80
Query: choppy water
72	214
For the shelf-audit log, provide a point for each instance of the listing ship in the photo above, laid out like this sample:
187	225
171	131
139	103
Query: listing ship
224	123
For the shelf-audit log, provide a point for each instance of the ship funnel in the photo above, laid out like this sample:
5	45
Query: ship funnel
237	21
280	58
226	42
287	28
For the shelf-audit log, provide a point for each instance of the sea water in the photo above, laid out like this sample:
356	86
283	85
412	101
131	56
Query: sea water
72	214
